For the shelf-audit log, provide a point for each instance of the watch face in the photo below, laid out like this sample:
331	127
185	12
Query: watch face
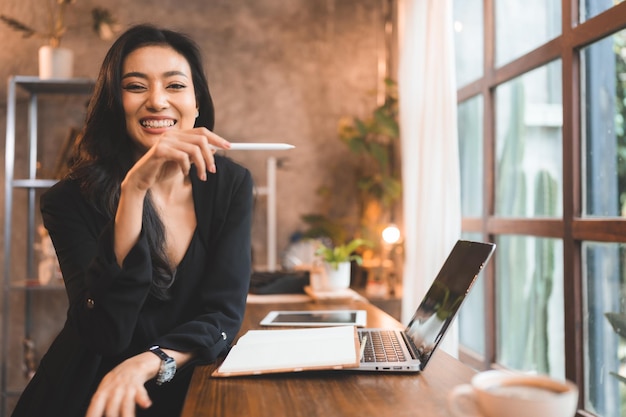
167	371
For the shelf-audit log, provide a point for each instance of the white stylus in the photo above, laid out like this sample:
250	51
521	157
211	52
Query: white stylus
242	146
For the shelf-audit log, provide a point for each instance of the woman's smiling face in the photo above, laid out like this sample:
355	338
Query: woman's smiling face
157	94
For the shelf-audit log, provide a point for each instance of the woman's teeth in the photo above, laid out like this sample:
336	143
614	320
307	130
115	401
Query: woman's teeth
158	123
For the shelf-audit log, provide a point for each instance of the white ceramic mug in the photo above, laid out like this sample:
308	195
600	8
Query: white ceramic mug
509	394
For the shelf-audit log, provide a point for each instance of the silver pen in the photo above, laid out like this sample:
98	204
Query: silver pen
251	146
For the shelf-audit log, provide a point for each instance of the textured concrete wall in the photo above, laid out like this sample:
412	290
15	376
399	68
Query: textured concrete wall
279	70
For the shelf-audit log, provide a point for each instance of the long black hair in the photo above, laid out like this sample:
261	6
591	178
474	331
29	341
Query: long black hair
104	154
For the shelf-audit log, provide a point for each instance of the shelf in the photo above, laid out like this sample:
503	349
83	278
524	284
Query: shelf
31	287
35	85
35	183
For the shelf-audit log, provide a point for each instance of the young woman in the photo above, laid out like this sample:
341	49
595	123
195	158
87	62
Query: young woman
152	232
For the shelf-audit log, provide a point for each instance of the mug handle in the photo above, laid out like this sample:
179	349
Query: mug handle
462	401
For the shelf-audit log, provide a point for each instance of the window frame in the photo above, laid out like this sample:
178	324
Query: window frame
572	228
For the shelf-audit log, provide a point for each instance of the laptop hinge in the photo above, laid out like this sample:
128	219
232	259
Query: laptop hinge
409	342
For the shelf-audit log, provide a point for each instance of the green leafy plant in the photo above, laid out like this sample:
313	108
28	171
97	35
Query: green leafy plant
104	24
373	140
321	227
334	255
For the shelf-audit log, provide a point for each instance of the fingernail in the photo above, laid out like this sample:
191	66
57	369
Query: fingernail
212	169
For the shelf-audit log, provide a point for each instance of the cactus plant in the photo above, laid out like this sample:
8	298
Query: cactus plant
511	202
618	322
546	190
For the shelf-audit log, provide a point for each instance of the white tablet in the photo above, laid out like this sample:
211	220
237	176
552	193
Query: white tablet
316	318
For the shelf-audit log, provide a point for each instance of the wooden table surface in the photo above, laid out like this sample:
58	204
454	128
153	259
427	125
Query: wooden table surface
327	393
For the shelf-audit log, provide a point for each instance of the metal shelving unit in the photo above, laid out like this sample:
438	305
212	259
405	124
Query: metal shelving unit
34	87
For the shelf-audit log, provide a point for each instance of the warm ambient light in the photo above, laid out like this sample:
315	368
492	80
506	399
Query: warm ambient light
391	234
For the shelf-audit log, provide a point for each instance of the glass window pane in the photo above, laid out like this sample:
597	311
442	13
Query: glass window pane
529	303
529	179
604	139
470	128
472	313
468	40
605	328
591	8
523	25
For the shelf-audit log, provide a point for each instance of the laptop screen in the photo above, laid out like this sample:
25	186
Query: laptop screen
443	300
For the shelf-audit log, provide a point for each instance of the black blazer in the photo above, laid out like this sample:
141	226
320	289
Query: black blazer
111	314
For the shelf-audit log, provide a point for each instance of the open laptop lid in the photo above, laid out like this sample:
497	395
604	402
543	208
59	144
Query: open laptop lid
445	296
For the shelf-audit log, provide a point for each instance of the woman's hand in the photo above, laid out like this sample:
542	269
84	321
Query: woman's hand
122	389
176	149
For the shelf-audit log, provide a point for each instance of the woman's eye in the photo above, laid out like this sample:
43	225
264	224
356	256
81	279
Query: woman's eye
177	86
133	87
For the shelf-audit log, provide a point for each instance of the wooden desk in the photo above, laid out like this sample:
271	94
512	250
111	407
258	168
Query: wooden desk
331	393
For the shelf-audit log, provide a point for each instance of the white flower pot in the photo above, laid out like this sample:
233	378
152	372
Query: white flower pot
55	62
335	279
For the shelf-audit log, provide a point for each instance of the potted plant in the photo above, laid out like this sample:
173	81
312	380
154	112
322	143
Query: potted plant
54	60
337	263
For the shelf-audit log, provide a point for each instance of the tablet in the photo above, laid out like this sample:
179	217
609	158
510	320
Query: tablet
316	318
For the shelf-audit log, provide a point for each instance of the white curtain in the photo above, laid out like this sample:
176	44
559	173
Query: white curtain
430	161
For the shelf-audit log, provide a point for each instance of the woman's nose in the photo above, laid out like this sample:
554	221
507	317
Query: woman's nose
157	99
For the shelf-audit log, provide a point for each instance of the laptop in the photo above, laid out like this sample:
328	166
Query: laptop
410	349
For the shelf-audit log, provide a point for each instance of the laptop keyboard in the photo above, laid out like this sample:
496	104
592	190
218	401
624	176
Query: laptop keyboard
381	346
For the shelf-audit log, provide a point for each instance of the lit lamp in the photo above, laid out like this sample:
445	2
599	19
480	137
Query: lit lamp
381	272
391	237
391	234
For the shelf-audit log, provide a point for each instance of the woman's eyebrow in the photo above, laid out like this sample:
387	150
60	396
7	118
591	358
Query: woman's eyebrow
173	73
134	74
142	75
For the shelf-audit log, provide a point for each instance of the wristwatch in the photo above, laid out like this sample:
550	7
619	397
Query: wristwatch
168	366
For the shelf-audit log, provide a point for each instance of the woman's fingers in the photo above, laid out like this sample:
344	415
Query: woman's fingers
119	401
142	399
215	139
191	150
114	404
122	389
182	148
200	144
208	141
96	407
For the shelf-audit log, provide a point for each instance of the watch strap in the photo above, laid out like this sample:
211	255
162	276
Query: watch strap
157	351
168	366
